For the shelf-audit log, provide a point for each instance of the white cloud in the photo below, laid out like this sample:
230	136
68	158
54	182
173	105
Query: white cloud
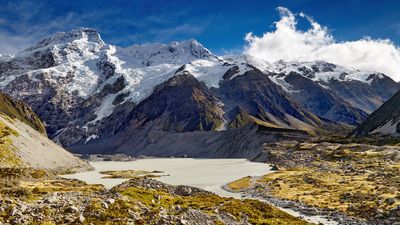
289	43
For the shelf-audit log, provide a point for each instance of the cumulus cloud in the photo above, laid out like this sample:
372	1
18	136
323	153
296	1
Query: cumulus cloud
289	43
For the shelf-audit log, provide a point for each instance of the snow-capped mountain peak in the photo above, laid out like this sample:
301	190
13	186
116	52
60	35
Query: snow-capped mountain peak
157	53
82	35
322	71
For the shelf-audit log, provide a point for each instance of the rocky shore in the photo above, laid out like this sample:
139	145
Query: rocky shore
136	201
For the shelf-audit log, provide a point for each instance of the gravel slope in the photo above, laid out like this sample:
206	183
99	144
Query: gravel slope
37	151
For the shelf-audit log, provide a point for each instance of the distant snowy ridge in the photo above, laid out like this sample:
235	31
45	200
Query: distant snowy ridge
79	51
324	71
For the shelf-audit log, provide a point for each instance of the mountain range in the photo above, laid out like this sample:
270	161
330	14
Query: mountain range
180	98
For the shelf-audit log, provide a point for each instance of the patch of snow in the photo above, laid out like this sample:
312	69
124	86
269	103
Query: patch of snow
141	81
85	128
323	86
387	128
145	66
246	62
76	58
260	64
208	71
281	82
105	109
91	137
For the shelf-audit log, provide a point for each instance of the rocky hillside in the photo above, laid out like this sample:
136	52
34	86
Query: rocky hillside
86	90
181	104
384	120
23	141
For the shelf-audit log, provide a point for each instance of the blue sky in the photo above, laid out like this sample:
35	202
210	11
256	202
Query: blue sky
219	25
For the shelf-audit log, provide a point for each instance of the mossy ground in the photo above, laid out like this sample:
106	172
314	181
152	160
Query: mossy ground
18	110
256	211
354	195
240	184
7	150
41	187
358	180
134	199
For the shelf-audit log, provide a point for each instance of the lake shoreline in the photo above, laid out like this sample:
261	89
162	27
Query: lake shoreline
208	173
218	188
310	214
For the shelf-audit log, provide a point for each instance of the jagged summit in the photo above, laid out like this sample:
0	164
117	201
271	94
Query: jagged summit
175	53
88	35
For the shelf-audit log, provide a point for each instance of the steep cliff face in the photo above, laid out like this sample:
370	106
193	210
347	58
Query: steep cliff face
322	101
181	104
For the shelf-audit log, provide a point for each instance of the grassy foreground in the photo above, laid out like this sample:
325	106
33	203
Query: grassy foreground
361	181
30	196
7	154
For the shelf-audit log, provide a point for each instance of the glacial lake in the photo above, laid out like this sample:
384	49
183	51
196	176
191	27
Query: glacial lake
208	174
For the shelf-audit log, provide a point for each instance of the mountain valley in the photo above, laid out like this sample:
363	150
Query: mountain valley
330	133
91	94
